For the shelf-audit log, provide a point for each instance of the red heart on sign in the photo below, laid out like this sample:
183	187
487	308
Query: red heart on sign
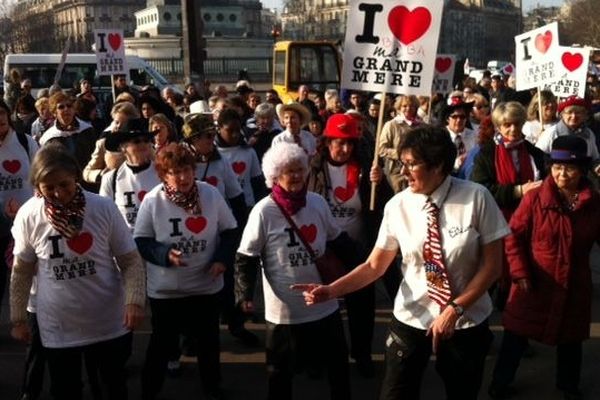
12	166
81	243
212	180
141	194
542	42
114	39
195	224
343	193
442	64
572	61
508	69
408	26
238	167
309	232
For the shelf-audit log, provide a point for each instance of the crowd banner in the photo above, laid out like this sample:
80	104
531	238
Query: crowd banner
110	54
390	47
574	62
536	52
508	69
443	75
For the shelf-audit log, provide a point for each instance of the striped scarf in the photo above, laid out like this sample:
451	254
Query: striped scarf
189	201
66	219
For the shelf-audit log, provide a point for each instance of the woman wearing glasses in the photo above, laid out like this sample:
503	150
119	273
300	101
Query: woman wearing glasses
553	231
78	136
450	234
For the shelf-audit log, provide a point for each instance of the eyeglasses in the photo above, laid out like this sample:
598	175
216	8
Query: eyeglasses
64	105
411	166
458	116
566	168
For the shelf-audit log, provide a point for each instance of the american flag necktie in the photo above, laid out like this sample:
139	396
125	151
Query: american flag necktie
438	286
460	145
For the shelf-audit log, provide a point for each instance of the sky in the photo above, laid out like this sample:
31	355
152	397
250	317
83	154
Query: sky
527	4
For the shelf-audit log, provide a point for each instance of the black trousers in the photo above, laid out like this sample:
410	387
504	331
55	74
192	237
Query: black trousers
568	362
459	361
360	306
198	317
35	361
4	243
322	340
109	357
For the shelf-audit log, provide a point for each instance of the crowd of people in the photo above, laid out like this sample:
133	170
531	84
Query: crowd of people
194	206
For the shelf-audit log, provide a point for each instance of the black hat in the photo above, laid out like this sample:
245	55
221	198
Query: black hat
134	128
569	149
243	89
455	103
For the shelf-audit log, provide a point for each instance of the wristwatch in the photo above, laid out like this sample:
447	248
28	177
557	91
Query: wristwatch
457	308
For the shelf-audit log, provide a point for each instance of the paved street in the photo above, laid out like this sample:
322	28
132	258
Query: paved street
244	372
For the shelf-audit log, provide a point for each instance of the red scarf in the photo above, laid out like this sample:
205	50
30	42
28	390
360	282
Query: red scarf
506	173
290	202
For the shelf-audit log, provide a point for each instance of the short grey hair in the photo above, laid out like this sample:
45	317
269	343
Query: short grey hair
278	157
264	110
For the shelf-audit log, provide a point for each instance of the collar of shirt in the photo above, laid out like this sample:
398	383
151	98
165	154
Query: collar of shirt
437	196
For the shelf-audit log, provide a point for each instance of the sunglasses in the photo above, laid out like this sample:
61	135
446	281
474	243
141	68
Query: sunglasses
458	116
64	106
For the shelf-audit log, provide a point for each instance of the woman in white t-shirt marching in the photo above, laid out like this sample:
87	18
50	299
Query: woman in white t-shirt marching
286	231
86	306
185	232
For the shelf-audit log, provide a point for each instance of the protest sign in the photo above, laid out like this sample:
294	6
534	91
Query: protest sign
536	57
110	52
391	45
443	75
573	61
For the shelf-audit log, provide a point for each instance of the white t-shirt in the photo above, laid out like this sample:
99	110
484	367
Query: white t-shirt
286	260
80	295
14	169
307	140
533	129
219	174
130	189
245	166
196	236
344	202
469	218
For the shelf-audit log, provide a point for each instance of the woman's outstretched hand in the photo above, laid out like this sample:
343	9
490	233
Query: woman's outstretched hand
313	292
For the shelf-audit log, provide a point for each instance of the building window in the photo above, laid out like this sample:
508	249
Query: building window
233	18
207	17
220	17
167	16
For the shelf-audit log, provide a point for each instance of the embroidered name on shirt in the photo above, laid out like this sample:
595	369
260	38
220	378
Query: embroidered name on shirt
456	230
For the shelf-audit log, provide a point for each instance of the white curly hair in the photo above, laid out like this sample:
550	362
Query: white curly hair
278	157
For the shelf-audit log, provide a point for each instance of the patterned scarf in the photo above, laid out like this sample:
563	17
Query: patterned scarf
291	202
189	201
66	219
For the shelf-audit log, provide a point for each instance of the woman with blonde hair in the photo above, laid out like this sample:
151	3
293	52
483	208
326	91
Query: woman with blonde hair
533	128
163	130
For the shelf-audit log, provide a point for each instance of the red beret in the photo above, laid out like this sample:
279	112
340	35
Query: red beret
573	101
341	126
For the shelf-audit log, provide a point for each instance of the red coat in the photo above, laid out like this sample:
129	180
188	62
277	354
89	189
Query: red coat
552	248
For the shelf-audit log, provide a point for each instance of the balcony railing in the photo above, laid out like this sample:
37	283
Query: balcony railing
218	69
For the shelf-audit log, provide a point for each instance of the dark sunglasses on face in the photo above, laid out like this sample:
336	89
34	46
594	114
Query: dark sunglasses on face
64	105
458	116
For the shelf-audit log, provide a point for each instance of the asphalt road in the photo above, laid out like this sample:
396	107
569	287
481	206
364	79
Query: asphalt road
244	375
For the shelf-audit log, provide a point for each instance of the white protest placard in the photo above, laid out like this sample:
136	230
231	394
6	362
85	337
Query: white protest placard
110	52
536	57
572	80
443	76
391	45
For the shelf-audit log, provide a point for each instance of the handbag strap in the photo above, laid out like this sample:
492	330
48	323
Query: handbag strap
289	219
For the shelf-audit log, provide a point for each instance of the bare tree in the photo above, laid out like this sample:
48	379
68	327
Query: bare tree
581	24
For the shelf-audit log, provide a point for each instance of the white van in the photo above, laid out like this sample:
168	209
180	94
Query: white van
41	69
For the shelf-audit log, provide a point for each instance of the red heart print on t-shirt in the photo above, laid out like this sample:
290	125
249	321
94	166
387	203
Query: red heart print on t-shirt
309	232
238	167
195	224
408	26
572	61
543	42
344	193
141	195
114	39
442	64
81	243
12	166
212	180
